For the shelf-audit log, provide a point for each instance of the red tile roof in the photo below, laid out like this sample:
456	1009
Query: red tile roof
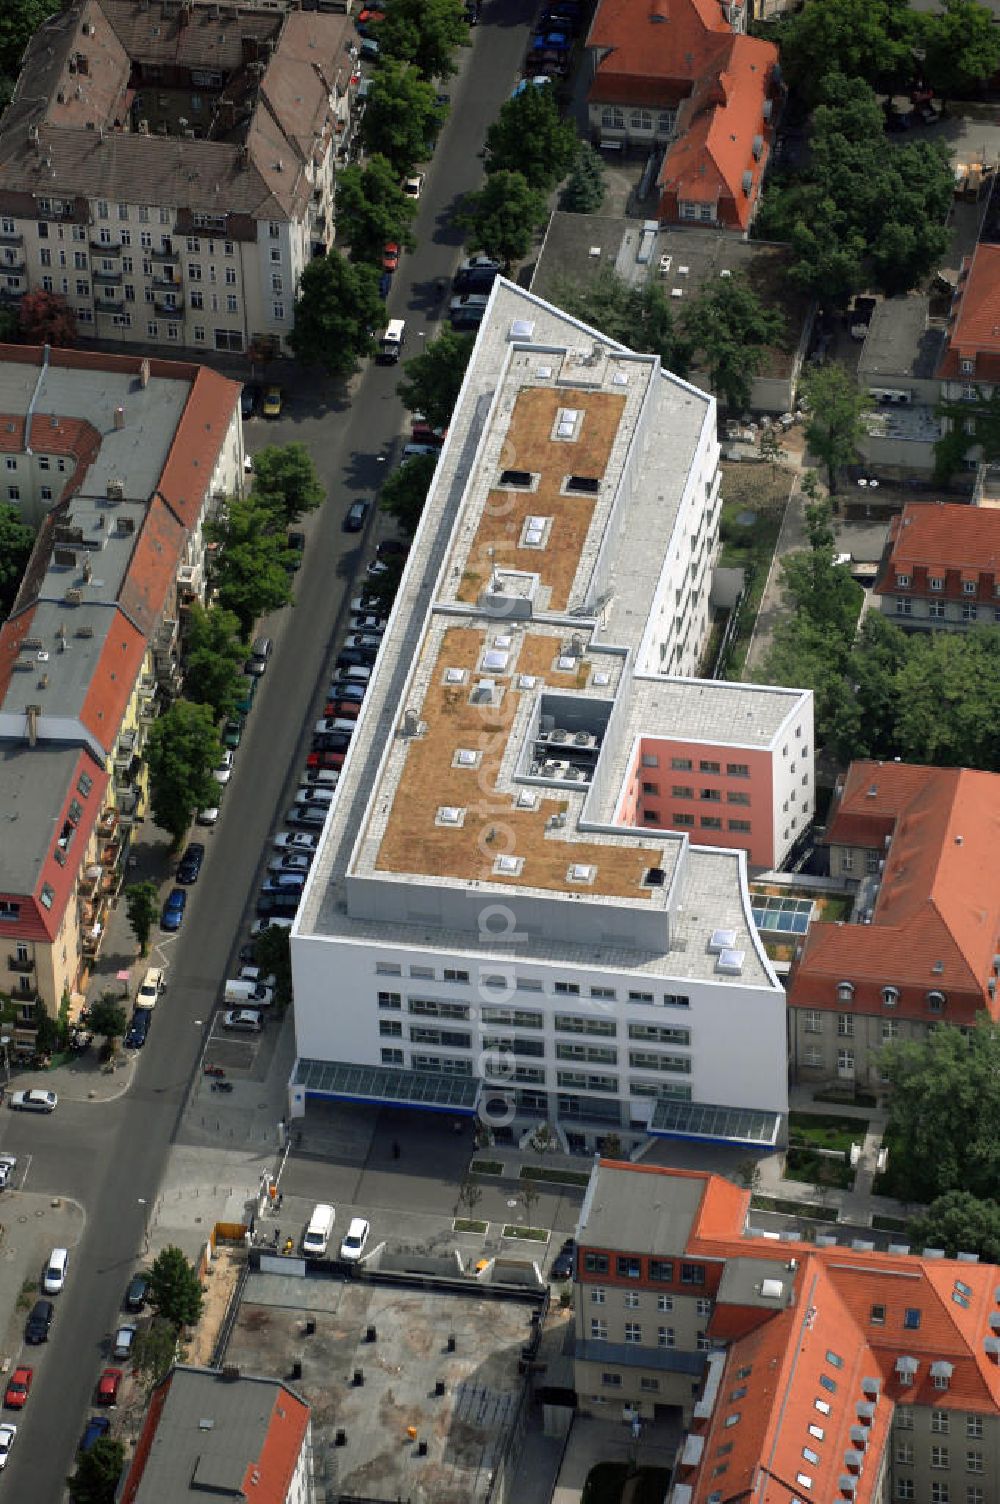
975	326
669	43
148	587
936	920
113	681
948	541
268	1477
197	443
717	128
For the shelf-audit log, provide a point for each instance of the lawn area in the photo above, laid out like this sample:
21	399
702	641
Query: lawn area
762	489
606	1484
555	1177
825	1130
817	1169
793	1208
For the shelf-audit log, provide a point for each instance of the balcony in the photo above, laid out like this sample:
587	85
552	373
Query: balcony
166	278
14	264
172	310
23	965
106	278
108	304
164	256
11	237
100	248
107	825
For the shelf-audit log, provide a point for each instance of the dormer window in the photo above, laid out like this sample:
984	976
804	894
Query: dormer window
967	367
902	582
845	992
969	587
890	997
936	1001
936	582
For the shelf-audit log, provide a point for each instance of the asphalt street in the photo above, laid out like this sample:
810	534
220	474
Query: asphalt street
111	1156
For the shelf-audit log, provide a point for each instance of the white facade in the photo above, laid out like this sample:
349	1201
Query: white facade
478	909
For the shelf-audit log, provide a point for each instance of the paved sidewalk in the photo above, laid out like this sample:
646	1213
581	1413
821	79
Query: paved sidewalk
149	859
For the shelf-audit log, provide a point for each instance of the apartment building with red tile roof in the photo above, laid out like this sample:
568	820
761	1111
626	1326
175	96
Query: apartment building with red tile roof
221	1432
681	75
919	843
940	570
972	352
802	1372
120	462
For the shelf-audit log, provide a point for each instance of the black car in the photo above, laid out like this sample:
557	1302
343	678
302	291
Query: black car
331	741
564	1261
354	518
250	400
37	1326
190	863
277	905
137	1293
138	1028
355	658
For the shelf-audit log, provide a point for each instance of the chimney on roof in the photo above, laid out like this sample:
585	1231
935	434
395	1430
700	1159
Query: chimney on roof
32	712
144	372
120	416
88	570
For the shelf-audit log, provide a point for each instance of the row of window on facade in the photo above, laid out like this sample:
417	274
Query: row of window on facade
615	117
934	998
144	213
563	1023
937	582
665	1336
936	610
500	982
941	1493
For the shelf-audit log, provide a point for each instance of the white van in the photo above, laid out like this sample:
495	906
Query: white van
55	1271
317	1234
392	342
243	994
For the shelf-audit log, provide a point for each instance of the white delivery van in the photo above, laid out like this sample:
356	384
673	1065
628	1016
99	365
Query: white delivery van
392	342
243	994
317	1234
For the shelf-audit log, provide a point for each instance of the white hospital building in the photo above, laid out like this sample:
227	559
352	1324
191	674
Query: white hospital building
505	915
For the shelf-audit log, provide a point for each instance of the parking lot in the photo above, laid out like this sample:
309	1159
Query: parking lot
30	1227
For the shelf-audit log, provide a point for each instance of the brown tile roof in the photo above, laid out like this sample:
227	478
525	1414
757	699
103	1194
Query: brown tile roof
940	539
288	113
936	921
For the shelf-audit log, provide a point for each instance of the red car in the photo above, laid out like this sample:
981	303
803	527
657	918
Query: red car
108	1385
422	432
18	1388
390	256
325	760
346	710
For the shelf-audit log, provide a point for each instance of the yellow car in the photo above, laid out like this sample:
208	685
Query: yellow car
272	402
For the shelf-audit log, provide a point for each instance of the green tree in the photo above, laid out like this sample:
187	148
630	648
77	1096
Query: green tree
731	330
284	474
502	218
806	655
584	190
876	659
433	379
182	751
336	313
251	573
426	33
108	1018
961	48
19	19
154	1350
943	1113
770	450
50	1033
834	425
273	954
948	693
213	658
142	904
862	207
959	1223
864	39
44	318
174	1288
373	209
405	492
402	115
639	317
821	590
97	1473
528	137
16	542
981	415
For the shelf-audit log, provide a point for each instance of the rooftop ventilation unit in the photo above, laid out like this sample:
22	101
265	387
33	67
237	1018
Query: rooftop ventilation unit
483	692
588	484
730	962
771	1289
655	877
721	940
520	478
522	329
